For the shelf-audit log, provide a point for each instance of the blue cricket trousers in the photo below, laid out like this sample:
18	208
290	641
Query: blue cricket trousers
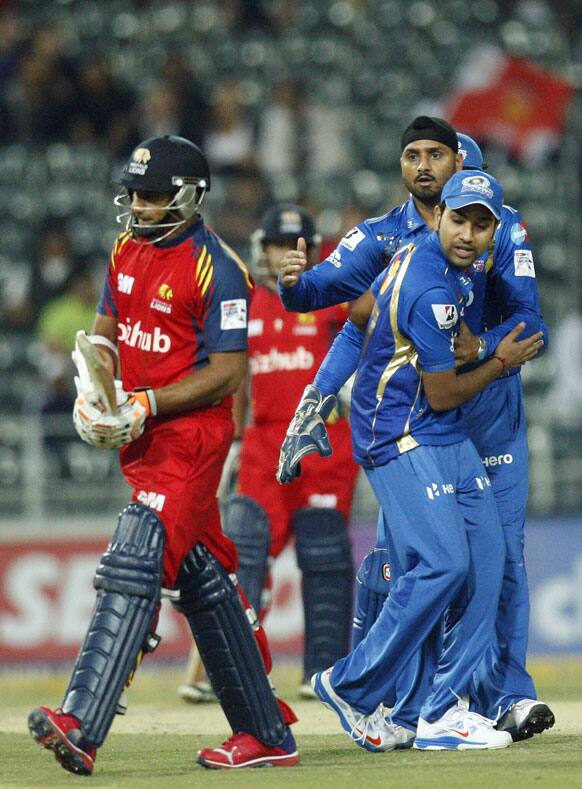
496	423
446	539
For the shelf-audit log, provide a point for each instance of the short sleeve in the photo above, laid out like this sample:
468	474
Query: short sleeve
227	309
108	302
431	325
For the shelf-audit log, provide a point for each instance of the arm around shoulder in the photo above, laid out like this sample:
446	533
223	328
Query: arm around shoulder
447	390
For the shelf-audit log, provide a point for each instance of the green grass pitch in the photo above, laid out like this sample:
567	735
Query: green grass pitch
155	744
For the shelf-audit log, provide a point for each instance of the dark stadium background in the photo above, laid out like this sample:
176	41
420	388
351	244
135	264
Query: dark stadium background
301	101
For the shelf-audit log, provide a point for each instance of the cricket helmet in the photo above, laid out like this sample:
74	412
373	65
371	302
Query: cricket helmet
281	224
166	163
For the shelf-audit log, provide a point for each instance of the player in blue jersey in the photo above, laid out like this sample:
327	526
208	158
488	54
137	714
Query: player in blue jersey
505	293
445	537
430	156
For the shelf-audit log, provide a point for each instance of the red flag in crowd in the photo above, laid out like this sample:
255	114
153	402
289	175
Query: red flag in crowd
523	108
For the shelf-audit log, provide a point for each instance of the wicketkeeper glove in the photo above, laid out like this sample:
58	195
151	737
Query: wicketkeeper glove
306	433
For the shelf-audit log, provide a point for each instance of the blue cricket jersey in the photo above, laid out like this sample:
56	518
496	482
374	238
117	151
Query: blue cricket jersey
356	261
504	285
419	302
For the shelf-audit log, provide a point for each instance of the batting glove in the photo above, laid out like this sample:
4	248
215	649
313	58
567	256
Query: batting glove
86	411
88	408
113	431
306	433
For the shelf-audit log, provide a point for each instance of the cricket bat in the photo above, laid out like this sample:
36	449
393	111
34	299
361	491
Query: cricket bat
99	373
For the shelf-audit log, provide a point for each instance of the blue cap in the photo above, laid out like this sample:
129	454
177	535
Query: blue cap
465	188
472	154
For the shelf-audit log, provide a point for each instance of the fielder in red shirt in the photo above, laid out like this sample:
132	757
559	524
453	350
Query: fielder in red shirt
284	350
173	319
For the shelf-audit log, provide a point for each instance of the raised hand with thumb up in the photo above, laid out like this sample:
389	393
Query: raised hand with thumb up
293	264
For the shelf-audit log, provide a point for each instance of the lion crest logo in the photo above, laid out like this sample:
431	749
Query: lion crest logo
165	292
141	155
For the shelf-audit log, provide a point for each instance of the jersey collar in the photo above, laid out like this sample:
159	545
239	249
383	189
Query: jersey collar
190	232
414	221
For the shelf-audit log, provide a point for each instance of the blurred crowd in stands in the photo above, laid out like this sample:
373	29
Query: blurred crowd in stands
290	100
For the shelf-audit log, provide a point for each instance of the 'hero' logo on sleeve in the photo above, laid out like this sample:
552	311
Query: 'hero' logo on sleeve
446	315
497	460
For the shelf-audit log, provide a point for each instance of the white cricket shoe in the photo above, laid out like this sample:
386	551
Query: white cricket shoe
459	730
404	736
197	692
370	731
305	691
526	718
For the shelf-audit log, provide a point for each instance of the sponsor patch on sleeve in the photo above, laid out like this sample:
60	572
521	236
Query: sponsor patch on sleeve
446	315
233	314
352	239
518	233
523	263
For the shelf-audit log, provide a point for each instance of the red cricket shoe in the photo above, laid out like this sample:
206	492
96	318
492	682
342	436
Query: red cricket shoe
62	734
244	750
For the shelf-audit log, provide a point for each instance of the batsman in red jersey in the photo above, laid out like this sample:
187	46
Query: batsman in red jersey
284	349
173	319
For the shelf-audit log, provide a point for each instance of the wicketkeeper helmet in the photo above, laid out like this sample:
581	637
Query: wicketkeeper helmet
288	223
282	224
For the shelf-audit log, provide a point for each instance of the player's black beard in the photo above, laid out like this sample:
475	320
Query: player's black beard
151	231
145	231
428	199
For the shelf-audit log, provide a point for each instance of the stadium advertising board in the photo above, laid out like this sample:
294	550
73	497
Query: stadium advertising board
46	597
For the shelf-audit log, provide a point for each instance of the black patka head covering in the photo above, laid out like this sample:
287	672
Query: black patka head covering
426	128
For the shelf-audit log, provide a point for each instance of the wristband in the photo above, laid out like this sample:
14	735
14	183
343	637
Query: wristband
502	362
482	352
147	399
98	339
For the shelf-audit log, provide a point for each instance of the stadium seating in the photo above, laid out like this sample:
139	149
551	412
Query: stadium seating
380	62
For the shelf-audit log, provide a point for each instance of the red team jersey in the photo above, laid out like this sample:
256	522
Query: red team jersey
175	303
285	351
